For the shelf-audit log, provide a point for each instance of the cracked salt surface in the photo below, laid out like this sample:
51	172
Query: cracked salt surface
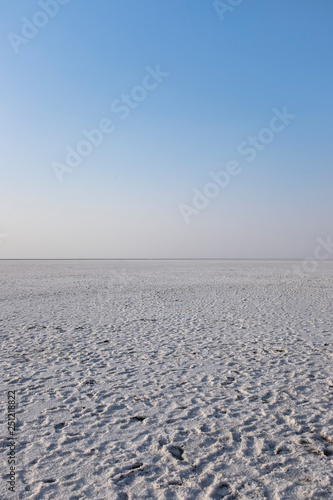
168	379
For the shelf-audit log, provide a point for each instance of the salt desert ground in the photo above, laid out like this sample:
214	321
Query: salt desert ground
168	379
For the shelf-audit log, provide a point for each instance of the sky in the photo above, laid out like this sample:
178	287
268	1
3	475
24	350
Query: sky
165	129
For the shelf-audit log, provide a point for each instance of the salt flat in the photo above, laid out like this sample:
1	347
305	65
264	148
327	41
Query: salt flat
168	379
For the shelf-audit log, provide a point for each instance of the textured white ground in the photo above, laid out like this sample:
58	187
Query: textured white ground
168	379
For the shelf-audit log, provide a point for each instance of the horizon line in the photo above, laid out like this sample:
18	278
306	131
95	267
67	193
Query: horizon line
169	258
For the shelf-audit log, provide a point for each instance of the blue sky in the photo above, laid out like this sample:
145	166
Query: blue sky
225	77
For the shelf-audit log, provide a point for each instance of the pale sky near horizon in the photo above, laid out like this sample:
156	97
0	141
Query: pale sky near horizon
182	92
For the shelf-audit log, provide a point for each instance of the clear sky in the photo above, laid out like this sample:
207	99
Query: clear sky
182	92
